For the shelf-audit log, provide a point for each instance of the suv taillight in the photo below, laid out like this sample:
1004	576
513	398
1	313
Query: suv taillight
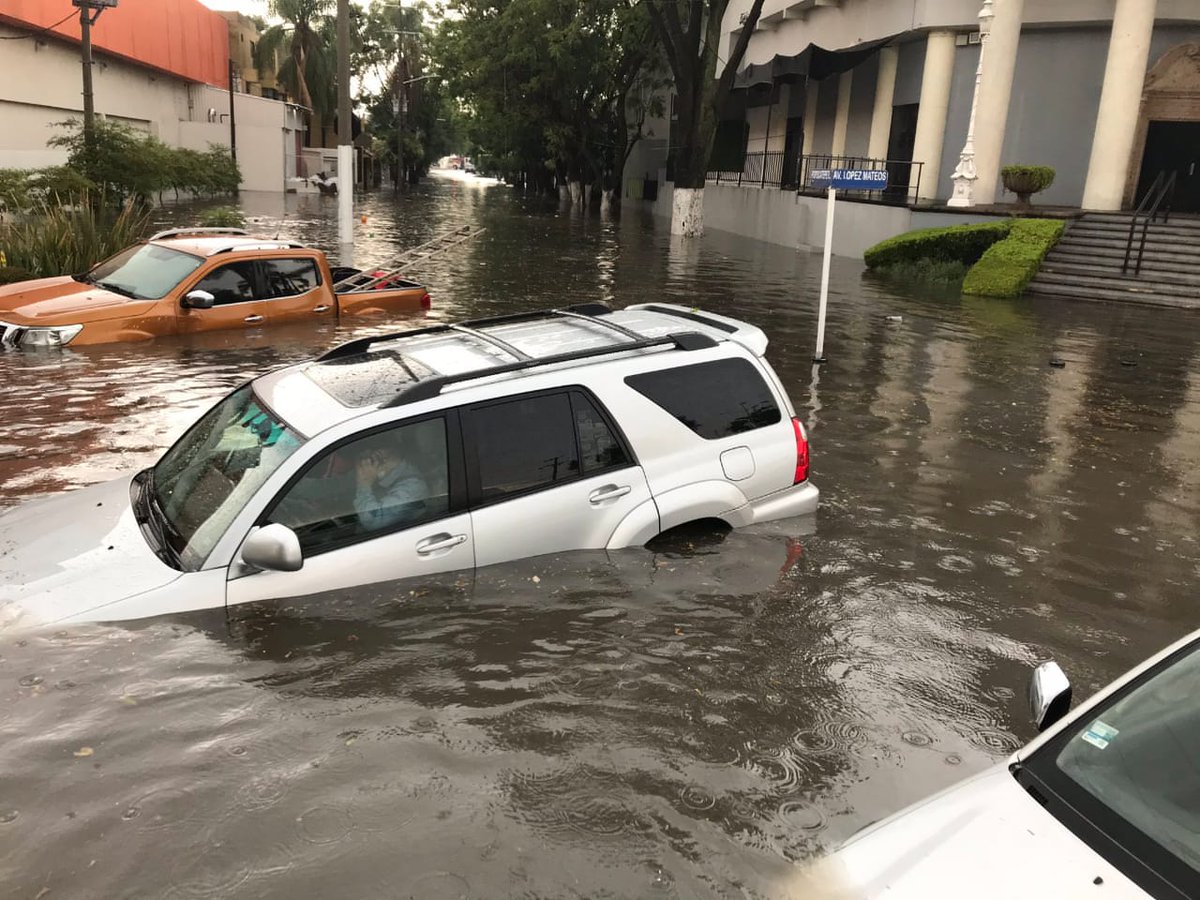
801	452
426	301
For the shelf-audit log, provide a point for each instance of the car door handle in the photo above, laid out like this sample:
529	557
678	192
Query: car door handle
608	492
439	542
320	309
252	320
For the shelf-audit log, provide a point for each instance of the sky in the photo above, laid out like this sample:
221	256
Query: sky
249	7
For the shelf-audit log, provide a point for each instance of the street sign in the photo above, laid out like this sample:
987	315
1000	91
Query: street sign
849	179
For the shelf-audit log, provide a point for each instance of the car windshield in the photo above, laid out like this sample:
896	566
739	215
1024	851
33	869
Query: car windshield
1131	767
145	272
206	479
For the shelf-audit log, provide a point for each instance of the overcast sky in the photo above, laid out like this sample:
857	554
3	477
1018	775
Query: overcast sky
249	7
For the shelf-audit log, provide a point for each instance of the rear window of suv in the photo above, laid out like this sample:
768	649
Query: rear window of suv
714	399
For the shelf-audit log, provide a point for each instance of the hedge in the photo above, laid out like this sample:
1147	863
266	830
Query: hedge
957	243
1009	265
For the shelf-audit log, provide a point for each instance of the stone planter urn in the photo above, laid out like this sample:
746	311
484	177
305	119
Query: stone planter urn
1025	181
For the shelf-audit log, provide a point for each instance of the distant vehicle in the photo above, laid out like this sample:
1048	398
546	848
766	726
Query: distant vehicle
469	167
1106	803
428	451
184	281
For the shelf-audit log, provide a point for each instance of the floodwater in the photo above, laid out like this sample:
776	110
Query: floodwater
690	721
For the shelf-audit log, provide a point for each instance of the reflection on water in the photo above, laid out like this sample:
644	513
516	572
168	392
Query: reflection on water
683	721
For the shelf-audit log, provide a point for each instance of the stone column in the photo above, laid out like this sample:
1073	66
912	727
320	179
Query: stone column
810	115
841	123
885	93
995	92
935	103
1120	104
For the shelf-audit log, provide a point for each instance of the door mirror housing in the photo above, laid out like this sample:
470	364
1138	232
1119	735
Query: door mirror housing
198	300
1049	695
273	547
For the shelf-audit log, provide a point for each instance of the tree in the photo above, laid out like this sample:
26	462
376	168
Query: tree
308	69
690	31
547	85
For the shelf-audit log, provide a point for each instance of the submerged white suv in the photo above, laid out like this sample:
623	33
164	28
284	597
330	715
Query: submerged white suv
443	448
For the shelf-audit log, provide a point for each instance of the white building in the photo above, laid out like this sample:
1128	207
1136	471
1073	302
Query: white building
1107	92
157	76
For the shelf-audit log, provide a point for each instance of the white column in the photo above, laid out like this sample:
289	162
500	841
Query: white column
777	137
995	92
1120	104
841	123
810	115
935	103
885	94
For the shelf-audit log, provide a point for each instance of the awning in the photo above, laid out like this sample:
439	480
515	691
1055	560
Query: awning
812	62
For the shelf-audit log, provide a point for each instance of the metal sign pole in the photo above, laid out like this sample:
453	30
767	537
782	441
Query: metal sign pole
819	357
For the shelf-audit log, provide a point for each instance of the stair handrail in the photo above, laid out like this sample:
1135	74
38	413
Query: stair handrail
1157	199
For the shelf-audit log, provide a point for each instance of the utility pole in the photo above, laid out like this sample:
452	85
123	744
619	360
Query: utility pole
345	147
89	12
232	119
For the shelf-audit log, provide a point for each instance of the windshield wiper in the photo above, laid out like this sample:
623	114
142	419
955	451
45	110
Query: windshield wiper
85	278
161	530
116	289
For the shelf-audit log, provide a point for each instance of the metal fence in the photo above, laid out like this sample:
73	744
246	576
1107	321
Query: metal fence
774	170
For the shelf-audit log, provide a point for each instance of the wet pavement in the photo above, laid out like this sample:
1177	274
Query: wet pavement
685	721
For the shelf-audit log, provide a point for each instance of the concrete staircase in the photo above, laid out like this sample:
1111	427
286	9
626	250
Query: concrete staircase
1086	264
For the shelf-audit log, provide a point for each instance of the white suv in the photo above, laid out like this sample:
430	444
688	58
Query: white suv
448	447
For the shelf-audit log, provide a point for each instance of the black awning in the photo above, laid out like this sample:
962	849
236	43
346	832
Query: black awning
812	62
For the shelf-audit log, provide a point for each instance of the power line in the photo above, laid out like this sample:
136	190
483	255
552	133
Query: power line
39	32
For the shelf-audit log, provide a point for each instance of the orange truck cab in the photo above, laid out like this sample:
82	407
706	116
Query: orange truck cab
189	281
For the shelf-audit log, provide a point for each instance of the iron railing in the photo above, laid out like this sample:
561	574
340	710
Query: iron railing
773	169
758	170
1157	200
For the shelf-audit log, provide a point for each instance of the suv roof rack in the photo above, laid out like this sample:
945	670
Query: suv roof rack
432	387
180	232
590	312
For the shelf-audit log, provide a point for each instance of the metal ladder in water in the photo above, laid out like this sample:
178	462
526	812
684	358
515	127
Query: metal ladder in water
411	257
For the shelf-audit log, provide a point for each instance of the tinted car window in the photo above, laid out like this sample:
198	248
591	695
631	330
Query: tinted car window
714	399
380	483
290	277
599	448
524	444
232	283
146	271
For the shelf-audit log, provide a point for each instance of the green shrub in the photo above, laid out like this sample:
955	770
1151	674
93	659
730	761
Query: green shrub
1025	181
957	243
13	274
223	217
1009	265
55	240
925	271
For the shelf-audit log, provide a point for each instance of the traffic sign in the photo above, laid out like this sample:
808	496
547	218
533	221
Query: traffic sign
849	179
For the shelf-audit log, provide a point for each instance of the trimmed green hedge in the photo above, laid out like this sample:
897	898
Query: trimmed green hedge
1009	265
957	243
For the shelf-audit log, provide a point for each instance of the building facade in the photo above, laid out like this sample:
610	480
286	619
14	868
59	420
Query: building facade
1047	65
160	66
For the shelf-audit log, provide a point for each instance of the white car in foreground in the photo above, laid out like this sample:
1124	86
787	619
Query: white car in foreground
1104	804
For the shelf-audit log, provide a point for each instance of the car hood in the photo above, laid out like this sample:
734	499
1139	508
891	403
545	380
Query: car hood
983	838
64	556
64	301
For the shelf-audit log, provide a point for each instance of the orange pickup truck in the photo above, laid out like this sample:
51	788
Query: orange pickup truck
188	281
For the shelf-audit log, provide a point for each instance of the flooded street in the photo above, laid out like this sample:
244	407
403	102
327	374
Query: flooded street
686	721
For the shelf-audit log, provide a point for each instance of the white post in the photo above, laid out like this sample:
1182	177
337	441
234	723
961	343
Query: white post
819	357
965	174
841	119
885	94
345	156
931	116
995	97
345	195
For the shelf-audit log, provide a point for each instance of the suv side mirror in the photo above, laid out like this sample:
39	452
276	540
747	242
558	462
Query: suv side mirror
274	547
198	300
1049	695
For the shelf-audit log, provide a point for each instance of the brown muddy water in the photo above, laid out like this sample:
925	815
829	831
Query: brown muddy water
691	721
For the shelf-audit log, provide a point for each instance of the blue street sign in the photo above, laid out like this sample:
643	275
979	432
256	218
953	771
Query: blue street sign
849	179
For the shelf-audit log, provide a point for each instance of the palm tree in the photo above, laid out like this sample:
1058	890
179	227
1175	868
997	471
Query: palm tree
305	31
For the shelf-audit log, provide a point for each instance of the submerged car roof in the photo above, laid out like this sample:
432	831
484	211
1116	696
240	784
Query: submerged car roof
389	369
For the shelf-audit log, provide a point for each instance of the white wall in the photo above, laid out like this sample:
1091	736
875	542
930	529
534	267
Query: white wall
41	84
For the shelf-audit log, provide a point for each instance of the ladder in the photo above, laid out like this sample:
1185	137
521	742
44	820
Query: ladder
392	268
